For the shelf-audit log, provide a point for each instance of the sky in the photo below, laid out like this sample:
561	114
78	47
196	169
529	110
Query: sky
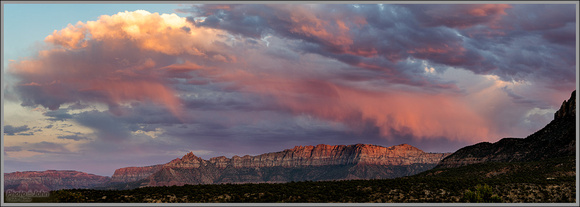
103	86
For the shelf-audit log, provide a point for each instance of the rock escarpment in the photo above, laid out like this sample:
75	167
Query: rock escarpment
51	180
131	174
319	155
321	162
557	139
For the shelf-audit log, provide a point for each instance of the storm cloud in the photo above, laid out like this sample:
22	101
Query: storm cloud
11	130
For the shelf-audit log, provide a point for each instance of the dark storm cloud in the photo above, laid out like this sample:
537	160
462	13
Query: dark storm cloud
483	38
109	127
58	115
75	137
11	130
282	53
564	36
257	21
274	132
285	132
528	59
248	20
517	98
146	113
531	42
12	149
515	42
224	101
78	105
33	95
457	16
47	147
106	126
147	117
356	36
534	17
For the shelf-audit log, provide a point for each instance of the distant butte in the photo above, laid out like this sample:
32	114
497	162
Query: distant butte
51	180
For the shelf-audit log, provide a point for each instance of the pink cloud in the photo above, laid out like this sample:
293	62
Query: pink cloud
116	59
488	9
160	33
332	31
120	91
394	112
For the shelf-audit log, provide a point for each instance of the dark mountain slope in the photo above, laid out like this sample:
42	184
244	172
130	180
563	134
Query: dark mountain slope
557	139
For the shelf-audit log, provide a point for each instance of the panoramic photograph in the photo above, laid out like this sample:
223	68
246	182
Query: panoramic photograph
285	103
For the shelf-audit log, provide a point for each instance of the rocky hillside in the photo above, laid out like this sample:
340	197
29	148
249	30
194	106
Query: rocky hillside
321	162
557	139
51	180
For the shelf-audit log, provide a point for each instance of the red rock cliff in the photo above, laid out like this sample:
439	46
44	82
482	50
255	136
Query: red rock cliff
130	174
321	162
51	180
329	155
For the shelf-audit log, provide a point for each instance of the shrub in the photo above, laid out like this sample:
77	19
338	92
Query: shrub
481	194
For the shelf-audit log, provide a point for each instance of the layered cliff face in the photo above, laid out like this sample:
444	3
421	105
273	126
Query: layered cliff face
131	174
557	139
51	180
321	162
318	156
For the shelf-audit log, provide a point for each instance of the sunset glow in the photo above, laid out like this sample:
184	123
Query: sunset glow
140	87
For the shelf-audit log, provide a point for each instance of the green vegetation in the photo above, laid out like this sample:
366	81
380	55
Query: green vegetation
481	194
543	181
